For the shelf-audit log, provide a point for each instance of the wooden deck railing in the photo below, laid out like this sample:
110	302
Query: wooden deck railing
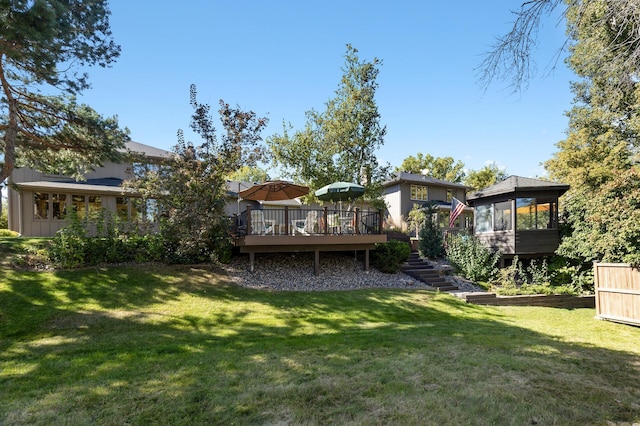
323	221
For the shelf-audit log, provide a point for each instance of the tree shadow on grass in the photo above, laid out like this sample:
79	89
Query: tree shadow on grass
246	356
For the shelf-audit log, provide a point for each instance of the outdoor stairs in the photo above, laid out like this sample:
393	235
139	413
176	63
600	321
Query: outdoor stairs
422	270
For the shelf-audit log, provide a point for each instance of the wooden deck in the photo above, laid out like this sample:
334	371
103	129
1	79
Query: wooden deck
307	230
253	244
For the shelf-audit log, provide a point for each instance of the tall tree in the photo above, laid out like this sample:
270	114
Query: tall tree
45	45
191	188
485	177
511	55
601	147
250	174
443	168
339	143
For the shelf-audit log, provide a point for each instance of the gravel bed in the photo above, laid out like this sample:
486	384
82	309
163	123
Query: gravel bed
294	272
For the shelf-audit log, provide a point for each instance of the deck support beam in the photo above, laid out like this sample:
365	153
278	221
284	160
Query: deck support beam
366	260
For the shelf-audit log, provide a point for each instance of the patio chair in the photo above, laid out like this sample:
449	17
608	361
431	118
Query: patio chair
306	226
258	225
333	223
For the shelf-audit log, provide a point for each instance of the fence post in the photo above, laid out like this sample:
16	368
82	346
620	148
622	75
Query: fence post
286	220
324	220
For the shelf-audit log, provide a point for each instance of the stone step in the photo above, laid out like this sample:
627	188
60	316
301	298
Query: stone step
422	270
448	288
427	277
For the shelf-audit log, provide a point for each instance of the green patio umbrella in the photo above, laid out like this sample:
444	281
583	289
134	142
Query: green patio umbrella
340	191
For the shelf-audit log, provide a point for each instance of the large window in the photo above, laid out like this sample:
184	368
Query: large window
502	216
420	193
531	213
40	206
122	208
535	213
484	222
59	206
144	210
94	206
78	204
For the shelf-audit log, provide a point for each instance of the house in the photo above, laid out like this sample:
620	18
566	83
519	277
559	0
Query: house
518	216
408	190
39	203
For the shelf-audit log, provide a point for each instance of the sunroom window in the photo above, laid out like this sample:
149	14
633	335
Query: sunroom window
484	221
535	213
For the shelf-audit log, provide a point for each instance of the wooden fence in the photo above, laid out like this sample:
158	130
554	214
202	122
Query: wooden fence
617	287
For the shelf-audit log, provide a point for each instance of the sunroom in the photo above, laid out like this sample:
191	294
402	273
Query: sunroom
518	216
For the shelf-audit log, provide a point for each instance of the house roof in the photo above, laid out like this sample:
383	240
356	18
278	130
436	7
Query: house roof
148	150
518	184
106	186
404	177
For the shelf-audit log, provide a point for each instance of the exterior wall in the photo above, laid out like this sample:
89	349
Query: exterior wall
24	221
13	210
399	201
503	241
109	170
539	241
393	200
21	203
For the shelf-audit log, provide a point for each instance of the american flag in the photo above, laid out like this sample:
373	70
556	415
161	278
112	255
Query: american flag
457	207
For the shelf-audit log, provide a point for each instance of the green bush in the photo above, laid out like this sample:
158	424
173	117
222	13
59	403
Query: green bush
387	257
565	272
471	259
431	243
73	247
8	233
536	278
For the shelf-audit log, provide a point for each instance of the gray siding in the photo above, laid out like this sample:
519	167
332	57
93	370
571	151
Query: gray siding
502	241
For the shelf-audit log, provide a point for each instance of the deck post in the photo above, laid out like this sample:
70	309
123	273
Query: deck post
316	262
366	260
356	223
252	259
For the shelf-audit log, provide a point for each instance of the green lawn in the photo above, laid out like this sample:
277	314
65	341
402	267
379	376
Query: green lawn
177	345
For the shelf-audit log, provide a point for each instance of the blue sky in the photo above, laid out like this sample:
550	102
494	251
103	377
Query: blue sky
282	58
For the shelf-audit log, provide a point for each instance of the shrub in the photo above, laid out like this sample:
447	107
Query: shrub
534	279
431	243
4	221
471	259
564	272
8	233
73	247
387	257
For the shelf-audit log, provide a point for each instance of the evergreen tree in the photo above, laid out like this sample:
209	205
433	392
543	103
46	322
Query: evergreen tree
43	45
